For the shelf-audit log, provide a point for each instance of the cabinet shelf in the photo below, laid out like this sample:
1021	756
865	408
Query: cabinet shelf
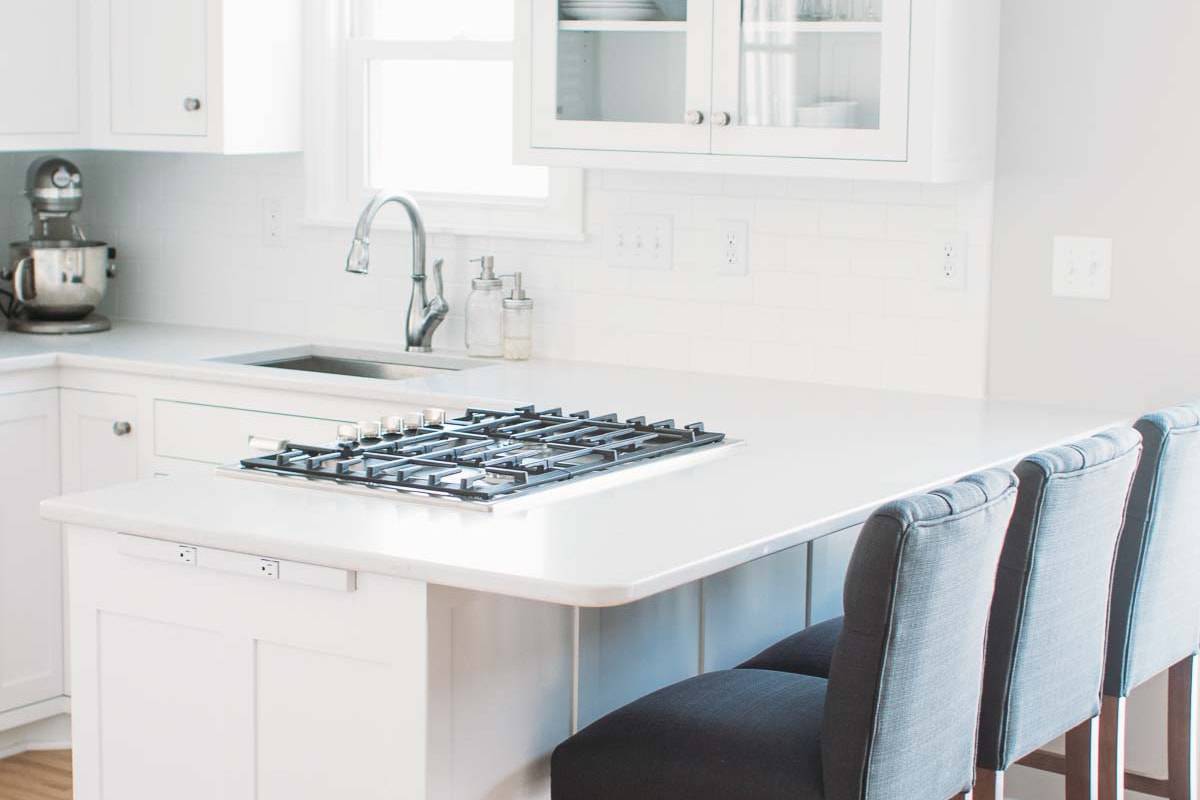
623	26
802	26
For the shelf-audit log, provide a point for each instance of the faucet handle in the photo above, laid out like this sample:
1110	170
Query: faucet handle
438	286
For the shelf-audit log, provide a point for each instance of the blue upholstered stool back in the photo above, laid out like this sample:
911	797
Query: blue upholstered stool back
1045	651
902	705
1156	586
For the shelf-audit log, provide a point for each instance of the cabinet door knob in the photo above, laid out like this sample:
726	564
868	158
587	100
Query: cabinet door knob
191	104
122	428
695	118
722	119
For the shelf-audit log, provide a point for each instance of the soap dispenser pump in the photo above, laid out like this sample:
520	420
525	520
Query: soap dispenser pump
485	312
518	322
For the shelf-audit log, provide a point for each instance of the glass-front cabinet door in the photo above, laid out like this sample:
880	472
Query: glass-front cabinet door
622	74
811	78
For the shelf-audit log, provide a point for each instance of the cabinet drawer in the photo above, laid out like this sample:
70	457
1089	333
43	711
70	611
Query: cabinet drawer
218	435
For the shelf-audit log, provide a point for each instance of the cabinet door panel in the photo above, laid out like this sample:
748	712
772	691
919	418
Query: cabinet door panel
98	449
812	79
39	62
619	83
31	632
158	55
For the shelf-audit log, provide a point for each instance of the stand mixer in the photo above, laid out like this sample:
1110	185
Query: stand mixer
58	275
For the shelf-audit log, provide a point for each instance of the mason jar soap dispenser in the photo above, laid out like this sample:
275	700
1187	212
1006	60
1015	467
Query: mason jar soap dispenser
485	312
518	323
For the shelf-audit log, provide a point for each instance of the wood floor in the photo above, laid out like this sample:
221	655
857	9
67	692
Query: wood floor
38	775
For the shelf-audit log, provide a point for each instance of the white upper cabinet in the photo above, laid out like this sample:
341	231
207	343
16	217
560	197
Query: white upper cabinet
40	59
867	89
200	76
208	76
157	60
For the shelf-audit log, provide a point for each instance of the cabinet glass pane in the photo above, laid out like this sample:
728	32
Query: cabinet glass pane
811	63
622	60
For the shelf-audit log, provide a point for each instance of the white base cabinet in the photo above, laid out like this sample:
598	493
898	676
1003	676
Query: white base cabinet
31	586
196	683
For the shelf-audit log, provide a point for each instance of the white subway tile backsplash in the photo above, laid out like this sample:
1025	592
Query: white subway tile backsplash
835	289
853	220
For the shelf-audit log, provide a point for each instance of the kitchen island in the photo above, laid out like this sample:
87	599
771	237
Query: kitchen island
232	638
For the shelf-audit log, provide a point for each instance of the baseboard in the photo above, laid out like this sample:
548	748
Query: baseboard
53	733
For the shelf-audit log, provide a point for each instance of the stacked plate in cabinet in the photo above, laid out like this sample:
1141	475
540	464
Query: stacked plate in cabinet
610	9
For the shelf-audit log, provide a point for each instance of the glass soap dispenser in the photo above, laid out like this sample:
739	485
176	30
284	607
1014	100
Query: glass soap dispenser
485	312
518	323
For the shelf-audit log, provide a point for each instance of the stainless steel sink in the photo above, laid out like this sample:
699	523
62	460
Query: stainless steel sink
356	363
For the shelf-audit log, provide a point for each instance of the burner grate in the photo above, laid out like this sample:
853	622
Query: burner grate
487	454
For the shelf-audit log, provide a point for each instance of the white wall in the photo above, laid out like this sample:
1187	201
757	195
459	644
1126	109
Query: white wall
1099	136
838	291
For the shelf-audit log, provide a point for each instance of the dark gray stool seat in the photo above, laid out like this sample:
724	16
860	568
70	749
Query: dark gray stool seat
736	733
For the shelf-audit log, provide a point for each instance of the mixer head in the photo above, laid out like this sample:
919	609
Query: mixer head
54	186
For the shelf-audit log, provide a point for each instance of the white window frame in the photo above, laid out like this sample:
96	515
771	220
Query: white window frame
335	127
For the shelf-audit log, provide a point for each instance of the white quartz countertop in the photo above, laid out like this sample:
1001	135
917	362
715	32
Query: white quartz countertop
813	459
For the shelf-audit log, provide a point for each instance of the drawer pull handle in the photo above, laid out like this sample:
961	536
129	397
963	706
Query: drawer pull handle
122	428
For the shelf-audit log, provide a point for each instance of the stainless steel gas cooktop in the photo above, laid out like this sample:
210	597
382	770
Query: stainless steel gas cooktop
480	458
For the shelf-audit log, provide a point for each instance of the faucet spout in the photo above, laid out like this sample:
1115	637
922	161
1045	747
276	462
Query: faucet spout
425	314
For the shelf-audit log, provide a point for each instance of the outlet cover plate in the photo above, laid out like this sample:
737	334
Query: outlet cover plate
731	251
948	260
640	241
1082	267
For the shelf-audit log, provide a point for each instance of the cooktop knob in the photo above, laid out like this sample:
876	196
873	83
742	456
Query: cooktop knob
414	421
435	416
393	423
368	430
347	433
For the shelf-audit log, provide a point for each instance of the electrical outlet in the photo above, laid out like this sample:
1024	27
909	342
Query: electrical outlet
268	568
732	247
1082	267
640	241
272	222
948	261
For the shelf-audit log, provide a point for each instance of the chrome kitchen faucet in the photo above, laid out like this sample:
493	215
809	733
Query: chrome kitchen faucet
424	314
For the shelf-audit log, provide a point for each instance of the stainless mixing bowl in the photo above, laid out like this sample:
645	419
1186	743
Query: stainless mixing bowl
59	280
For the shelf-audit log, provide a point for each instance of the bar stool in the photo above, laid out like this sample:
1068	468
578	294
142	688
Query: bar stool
1155	616
1049	614
897	718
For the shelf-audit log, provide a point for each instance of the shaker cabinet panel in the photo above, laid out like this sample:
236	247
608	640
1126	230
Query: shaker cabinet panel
158	63
39	68
100	434
31	600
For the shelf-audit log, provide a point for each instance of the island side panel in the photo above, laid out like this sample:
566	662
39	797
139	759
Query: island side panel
829	559
500	671
750	607
201	683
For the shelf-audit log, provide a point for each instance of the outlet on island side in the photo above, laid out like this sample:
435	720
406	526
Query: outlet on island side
640	241
1082	267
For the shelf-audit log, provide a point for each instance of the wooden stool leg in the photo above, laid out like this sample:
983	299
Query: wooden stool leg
989	785
1083	761
1112	748
1182	693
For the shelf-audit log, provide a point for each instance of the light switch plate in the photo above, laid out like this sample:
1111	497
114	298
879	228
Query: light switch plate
1082	267
640	241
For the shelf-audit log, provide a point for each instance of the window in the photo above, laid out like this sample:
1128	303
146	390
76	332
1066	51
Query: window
418	95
